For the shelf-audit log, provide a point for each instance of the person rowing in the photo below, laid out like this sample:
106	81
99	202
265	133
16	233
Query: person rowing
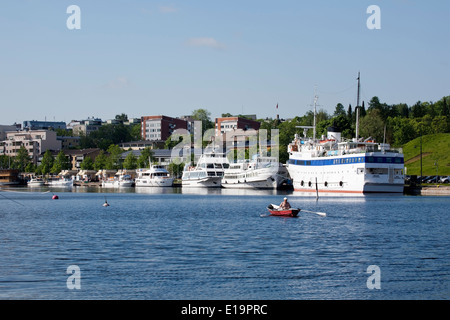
285	205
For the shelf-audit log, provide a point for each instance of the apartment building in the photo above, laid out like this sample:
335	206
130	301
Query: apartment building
154	128
230	124
85	127
35	141
43	125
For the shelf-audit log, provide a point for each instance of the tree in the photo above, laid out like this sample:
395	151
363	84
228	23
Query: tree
372	125
130	162
171	143
362	112
60	163
401	110
64	133
418	110
122	117
403	130
176	170
113	161
5	161
339	111
100	161
30	168
135	132
87	164
46	163
440	124
445	107
145	158
22	159
204	116
350	113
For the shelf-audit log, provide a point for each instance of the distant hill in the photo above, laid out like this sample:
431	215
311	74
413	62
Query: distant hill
435	147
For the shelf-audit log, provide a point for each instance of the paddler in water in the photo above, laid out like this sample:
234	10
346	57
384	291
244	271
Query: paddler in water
285	205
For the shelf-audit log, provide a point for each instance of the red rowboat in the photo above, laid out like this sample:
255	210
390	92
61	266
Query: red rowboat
276	211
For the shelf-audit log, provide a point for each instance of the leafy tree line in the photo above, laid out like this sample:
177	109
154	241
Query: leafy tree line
396	124
110	134
111	160
404	123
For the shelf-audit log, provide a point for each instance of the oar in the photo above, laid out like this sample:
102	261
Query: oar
322	214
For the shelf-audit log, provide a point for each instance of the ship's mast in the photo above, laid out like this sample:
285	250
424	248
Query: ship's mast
316	97
357	107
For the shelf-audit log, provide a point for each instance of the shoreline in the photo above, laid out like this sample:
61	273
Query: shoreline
435	190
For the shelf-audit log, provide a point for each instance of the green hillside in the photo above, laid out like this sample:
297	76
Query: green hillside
435	147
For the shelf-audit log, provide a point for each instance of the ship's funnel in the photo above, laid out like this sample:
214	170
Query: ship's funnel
334	134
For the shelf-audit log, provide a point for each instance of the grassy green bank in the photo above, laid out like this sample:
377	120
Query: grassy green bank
435	149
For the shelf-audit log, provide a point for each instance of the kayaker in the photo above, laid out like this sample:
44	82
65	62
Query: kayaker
285	205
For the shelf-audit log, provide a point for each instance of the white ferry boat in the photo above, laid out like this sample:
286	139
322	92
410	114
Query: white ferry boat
156	176
207	173
257	173
333	165
336	166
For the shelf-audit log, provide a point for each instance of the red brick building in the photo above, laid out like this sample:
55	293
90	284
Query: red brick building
224	125
160	128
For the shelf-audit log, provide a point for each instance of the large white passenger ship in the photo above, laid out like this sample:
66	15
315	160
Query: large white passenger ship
335	166
332	165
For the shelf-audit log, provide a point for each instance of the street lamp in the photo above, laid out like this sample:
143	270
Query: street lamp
421	173
437	167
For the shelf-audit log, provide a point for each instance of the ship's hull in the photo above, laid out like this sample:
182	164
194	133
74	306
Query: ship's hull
61	184
117	184
258	181
165	182
208	182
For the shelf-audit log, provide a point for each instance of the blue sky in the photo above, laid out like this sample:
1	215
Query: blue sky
171	57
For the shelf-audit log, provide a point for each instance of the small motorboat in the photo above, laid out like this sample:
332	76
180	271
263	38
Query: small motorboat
276	211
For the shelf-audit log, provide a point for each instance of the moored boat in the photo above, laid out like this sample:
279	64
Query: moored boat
258	173
36	182
62	182
156	176
119	179
208	173
335	165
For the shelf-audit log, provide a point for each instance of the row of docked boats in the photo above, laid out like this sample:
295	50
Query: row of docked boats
213	170
156	176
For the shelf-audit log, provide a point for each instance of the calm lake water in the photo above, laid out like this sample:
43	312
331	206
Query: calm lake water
220	244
